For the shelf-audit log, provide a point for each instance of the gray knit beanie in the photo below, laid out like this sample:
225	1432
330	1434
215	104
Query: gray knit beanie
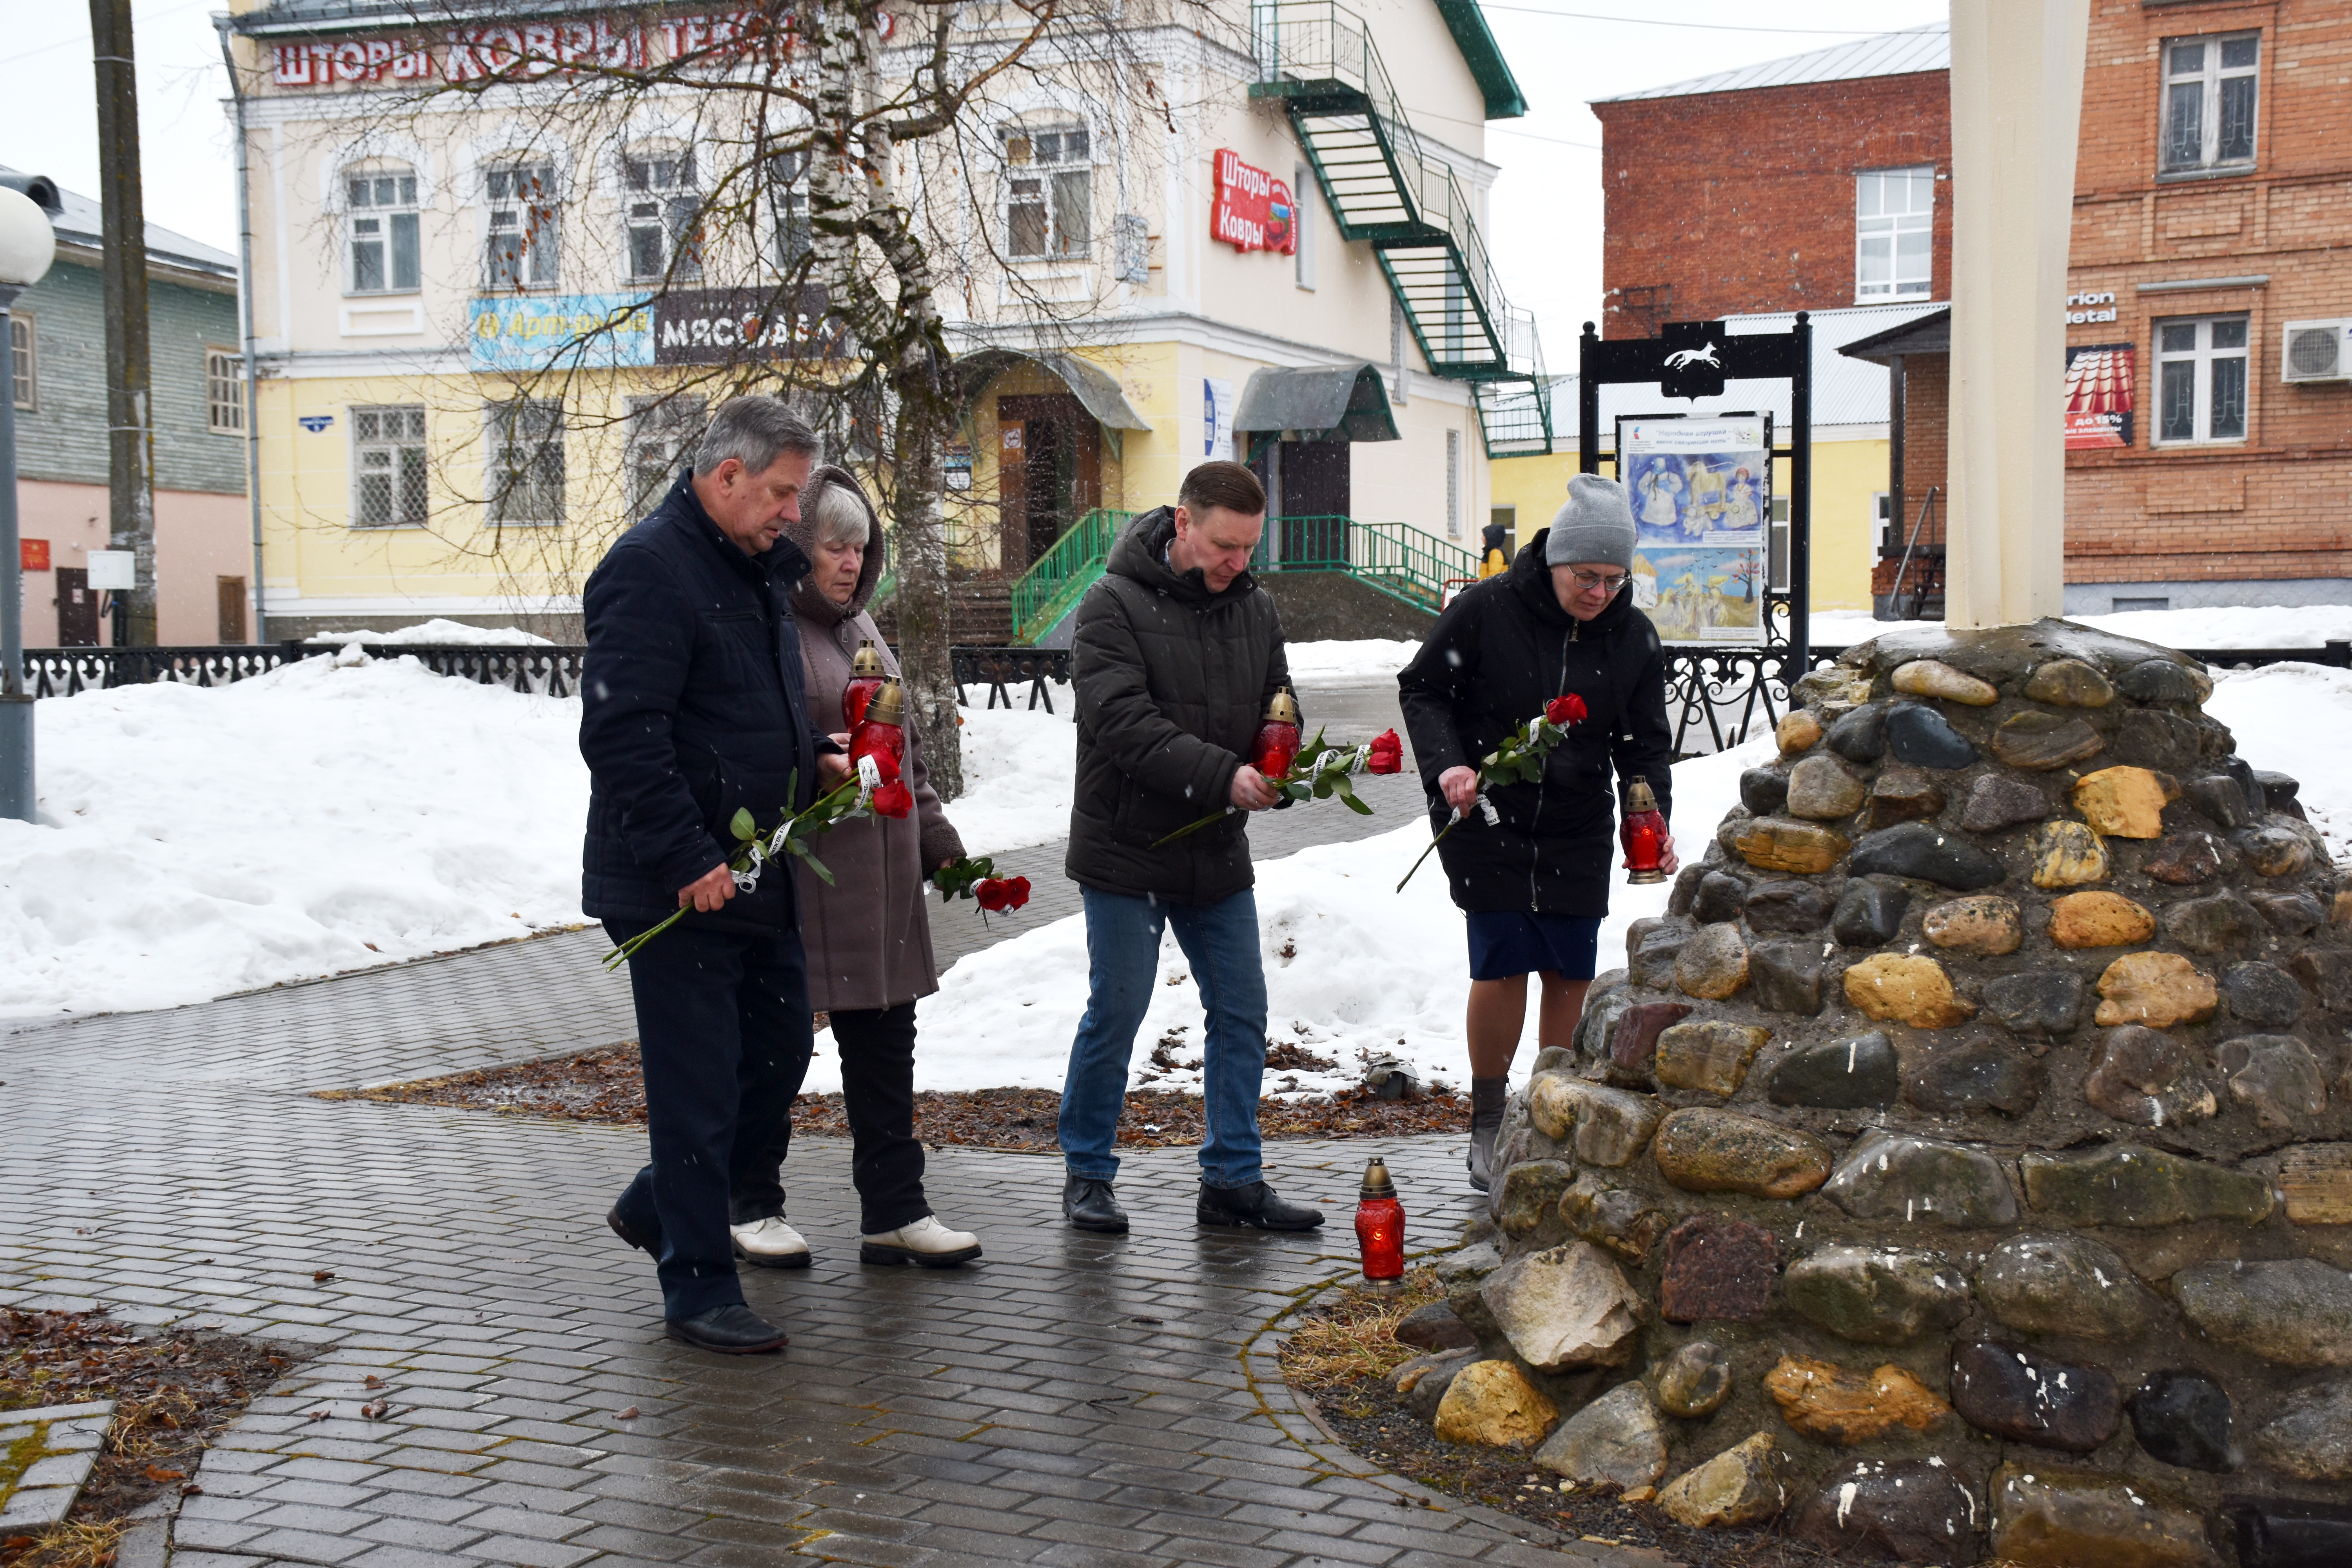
1596	526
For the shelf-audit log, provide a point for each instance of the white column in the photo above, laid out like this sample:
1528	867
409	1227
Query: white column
2017	110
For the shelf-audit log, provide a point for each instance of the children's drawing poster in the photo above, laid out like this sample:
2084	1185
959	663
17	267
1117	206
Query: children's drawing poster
1701	491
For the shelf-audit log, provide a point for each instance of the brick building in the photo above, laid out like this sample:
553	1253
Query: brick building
1804	184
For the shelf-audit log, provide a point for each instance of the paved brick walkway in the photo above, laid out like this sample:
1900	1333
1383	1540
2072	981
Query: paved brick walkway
1072	1400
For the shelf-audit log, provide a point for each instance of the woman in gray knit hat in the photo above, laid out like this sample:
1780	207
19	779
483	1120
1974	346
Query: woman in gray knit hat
869	939
1530	869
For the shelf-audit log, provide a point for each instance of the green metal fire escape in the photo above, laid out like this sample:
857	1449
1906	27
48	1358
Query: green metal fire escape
1384	188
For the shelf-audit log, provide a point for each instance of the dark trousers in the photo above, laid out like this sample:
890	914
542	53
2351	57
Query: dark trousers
723	1035
877	1091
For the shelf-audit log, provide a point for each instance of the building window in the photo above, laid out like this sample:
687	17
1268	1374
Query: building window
23	374
388	467
224	392
2209	86
523	227
1894	233
524	475
2200	387
662	211
1049	194
381	211
788	201
662	436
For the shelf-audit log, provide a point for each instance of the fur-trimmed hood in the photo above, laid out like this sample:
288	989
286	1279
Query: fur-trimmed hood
807	603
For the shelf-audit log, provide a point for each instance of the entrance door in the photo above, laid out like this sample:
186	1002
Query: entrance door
1049	472
1316	504
232	611
77	608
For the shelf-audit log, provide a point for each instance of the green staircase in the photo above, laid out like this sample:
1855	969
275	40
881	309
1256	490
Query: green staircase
1057	580
1398	559
1384	188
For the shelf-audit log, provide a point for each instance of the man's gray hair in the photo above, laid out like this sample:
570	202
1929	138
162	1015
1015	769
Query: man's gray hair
840	517
754	431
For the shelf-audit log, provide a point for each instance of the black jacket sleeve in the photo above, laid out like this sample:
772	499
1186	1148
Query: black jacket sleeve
1115	703
1430	689
641	631
1643	744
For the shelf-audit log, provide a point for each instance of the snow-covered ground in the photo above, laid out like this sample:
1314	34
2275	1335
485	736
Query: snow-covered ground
2235	625
1017	766
1363	659
437	633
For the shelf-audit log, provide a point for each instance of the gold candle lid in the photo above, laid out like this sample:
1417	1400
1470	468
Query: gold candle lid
1639	798
1376	1181
868	662
889	704
1281	708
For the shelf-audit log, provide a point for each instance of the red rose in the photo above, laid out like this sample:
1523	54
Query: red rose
894	799
1386	753
1016	891
994	896
1565	710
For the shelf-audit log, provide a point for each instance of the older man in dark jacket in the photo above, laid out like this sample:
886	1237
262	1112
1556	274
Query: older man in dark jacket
1177	652
691	709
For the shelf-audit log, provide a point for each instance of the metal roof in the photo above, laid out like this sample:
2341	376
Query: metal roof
1921	48
1845	391
83	224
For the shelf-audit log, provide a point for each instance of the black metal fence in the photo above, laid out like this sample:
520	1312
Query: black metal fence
1716	698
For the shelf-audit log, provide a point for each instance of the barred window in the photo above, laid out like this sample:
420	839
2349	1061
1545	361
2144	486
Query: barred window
524	474
224	391
662	211
788	196
2209	88
382	214
23	345
388	467
662	436
523	227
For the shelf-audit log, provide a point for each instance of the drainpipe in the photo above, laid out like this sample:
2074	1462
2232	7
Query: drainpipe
261	630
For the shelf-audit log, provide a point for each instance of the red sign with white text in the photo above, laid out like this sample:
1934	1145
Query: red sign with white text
1253	210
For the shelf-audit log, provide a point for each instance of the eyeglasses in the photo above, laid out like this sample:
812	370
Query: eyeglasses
1588	581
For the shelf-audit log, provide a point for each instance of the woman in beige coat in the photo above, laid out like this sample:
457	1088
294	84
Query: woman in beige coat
868	937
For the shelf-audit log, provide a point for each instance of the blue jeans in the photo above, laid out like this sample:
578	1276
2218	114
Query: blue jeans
1122	973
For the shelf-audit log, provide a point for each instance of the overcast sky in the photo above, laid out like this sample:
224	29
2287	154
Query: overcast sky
1547	206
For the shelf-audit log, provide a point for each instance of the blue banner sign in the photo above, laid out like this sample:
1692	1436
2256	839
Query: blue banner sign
542	332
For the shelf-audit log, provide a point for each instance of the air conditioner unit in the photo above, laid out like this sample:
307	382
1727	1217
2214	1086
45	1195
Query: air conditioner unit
2317	350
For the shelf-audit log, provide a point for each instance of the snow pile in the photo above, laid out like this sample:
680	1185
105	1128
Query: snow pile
1367	659
434	633
1353	969
2291	718
2227	626
1017	768
195	842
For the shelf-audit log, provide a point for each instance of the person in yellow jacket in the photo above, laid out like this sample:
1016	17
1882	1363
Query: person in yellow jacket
1496	558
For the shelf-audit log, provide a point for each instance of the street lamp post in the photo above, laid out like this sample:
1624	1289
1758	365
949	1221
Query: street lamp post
27	246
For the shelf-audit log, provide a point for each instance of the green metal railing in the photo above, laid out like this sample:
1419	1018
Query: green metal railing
1403	561
1051	586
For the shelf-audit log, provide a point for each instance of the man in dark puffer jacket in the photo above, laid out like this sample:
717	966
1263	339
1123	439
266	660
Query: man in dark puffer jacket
1532	880
690	708
1177	652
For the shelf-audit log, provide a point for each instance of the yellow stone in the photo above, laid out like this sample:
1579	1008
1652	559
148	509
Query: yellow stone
1797	732
1905	989
1742	1485
2340	913
2315	1180
1492	1402
2067	853
2122	803
2158	989
2099	919
1934	677
1780	844
1826	1402
1983	924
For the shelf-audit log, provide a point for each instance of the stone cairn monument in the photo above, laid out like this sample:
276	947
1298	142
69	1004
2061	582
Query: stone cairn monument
1955	1174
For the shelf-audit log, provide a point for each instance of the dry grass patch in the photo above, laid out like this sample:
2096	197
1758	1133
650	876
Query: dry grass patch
1351	1335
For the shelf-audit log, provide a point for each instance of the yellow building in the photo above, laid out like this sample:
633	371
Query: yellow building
1850	450
488	327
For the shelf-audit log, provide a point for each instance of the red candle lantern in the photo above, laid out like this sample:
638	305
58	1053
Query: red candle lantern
865	678
1644	835
1380	1225
876	733
1277	736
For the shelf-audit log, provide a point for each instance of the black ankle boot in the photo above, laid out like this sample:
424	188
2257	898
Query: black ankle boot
1254	1207
1087	1204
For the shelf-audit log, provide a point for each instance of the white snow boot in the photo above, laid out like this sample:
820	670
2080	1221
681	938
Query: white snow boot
926	1241
771	1243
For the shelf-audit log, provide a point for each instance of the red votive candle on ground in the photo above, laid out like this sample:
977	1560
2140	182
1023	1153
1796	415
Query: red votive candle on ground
1380	1225
866	678
1644	835
1277	736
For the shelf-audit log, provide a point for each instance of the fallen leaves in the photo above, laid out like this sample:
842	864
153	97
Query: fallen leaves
158	1474
321	1276
628	1414
377	1411
374	1381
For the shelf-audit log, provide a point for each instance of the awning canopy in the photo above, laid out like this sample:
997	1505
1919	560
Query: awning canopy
1095	388
1336	403
1928	334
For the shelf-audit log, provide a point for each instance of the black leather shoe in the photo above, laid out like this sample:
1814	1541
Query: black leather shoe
650	1245
1254	1207
1087	1204
731	1329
